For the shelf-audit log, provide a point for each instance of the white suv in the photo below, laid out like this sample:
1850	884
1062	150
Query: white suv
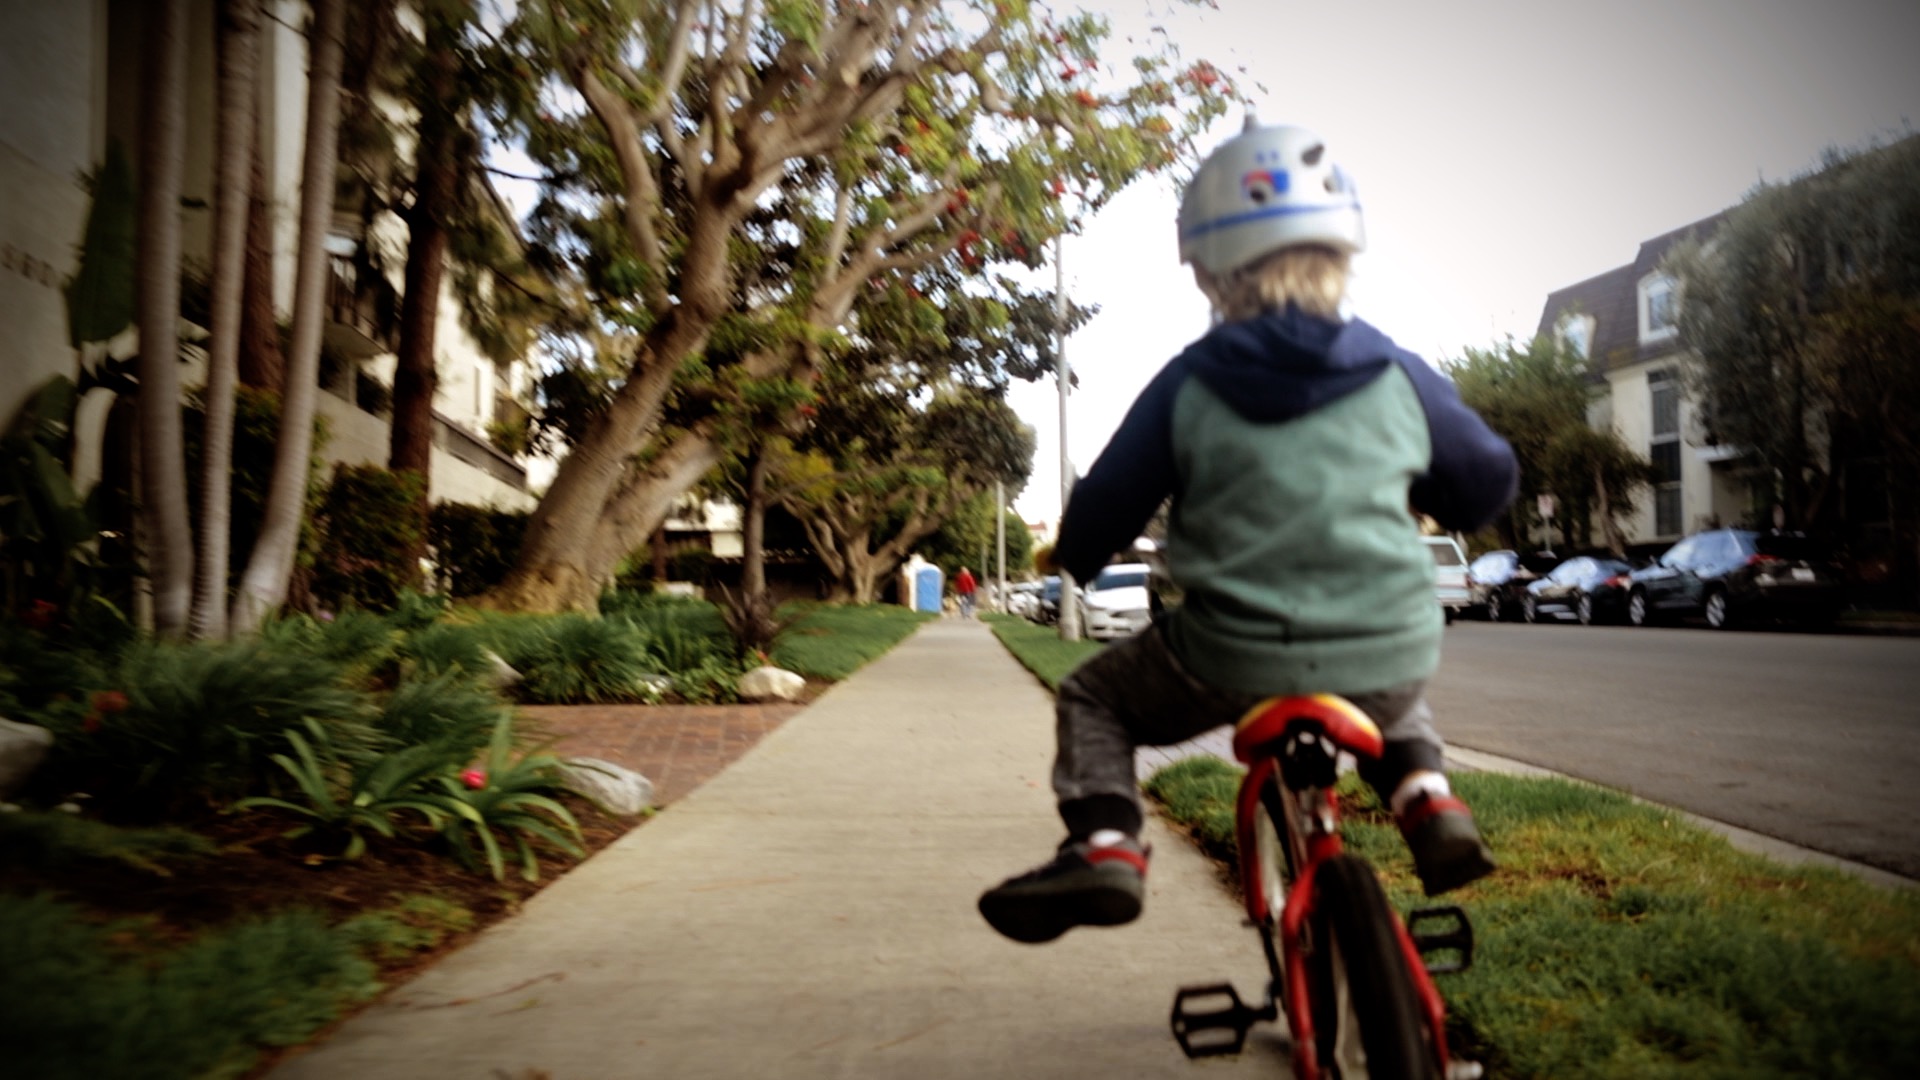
1450	574
1117	603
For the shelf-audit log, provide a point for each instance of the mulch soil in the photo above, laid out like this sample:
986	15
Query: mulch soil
678	747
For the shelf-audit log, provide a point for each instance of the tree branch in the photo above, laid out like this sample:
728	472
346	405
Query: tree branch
642	193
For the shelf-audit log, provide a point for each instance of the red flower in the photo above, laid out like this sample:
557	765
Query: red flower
40	615
91	724
109	701
474	778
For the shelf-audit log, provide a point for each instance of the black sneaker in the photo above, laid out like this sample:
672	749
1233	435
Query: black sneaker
1446	845
1083	886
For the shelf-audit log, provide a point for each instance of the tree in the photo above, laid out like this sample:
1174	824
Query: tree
263	586
897	135
878	474
235	124
163	470
1536	398
967	538
1802	311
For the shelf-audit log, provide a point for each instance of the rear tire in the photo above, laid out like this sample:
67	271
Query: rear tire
1494	614
1366	1013
1639	611
1718	610
1273	861
1530	610
1583	609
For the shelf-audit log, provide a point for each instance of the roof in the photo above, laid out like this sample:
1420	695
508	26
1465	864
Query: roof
1612	299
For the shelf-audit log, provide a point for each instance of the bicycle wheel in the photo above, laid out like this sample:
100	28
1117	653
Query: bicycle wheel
1273	865
1366	1013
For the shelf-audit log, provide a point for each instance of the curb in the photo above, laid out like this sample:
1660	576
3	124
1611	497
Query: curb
1742	839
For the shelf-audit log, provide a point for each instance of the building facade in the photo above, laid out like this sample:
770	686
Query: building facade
71	73
1625	323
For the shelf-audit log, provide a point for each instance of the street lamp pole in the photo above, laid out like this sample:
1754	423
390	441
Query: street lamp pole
1069	610
1000	541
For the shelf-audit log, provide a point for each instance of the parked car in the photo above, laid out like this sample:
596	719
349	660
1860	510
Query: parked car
1586	588
1047	607
1117	602
1498	581
1449	575
1729	576
1023	599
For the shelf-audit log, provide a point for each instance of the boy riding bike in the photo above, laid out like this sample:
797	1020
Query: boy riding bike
1293	444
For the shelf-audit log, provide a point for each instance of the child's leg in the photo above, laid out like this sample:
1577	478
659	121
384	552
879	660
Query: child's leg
1134	693
1439	829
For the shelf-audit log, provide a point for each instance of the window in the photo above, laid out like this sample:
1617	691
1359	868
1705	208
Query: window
1659	308
1576	332
1663	449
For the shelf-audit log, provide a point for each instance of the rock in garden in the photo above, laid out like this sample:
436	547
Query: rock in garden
770	684
500	674
613	788
22	748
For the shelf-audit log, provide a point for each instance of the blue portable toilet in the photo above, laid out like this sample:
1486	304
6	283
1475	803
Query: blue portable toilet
927	582
921	585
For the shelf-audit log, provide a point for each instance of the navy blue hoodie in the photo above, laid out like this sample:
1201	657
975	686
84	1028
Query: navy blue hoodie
1293	447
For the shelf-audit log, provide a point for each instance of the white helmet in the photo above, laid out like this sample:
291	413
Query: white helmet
1265	189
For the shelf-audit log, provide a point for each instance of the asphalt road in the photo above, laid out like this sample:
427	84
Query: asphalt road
1810	738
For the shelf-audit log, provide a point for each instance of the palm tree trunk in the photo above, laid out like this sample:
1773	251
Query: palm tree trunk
436	176
264	585
163	469
239	68
261	364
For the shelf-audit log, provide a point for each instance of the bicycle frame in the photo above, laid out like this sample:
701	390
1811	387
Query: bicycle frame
1292	746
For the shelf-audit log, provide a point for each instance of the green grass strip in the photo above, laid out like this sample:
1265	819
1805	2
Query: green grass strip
1039	648
1618	940
834	641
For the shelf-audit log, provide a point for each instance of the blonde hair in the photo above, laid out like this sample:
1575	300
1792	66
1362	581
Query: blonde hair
1311	277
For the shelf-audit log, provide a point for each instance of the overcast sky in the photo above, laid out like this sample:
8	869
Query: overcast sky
1501	149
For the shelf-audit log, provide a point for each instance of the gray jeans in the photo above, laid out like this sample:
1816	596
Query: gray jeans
1135	693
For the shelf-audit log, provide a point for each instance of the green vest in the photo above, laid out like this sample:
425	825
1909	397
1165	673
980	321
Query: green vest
1302	567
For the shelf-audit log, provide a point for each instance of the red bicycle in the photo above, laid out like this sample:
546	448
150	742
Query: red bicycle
1354	980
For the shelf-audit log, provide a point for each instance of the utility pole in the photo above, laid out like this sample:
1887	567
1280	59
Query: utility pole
1000	541
1069	609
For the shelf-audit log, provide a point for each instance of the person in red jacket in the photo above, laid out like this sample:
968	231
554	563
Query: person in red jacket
964	586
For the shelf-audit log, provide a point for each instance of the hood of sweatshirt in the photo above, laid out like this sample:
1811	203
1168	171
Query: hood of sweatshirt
1285	364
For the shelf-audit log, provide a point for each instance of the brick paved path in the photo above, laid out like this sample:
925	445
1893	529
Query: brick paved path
678	747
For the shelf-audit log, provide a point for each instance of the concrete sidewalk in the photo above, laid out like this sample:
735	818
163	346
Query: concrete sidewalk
810	913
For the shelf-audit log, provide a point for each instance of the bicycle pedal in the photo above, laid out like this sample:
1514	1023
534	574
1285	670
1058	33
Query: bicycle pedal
1211	1032
1455	935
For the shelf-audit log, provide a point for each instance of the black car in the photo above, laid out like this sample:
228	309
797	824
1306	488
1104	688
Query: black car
1733	575
1497	581
1586	588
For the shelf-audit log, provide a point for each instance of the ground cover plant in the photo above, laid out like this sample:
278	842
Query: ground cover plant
255	836
1620	940
1040	649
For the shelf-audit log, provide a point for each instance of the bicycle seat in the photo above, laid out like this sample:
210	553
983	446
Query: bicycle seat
1345	725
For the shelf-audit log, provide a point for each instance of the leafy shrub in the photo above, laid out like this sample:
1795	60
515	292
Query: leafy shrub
507	796
375	531
202	721
715	680
339	798
359	641
447	647
473	546
567	659
76	1003
443	709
